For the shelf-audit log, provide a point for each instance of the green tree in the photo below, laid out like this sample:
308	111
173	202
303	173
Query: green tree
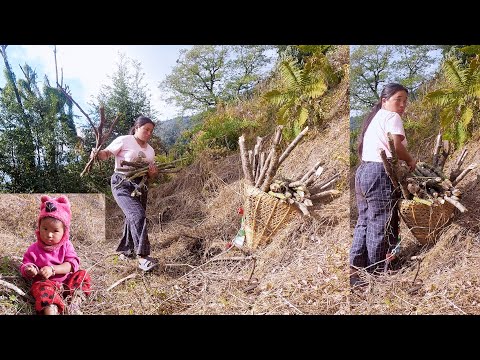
127	96
372	66
208	75
369	69
37	135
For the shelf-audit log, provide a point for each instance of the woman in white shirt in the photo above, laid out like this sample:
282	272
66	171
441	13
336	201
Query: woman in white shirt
376	231
133	147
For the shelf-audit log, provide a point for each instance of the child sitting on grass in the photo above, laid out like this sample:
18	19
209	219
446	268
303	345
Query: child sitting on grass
52	262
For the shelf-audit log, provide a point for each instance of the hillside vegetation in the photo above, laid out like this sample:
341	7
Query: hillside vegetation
193	216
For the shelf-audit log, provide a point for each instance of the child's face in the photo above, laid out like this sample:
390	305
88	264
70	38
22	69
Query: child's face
51	231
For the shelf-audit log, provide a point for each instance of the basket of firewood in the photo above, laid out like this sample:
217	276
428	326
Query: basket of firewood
264	214
425	221
272	201
429	196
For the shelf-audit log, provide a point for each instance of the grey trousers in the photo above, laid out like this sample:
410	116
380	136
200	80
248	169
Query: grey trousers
376	231
134	240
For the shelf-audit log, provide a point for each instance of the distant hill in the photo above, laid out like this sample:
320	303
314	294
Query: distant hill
170	130
355	122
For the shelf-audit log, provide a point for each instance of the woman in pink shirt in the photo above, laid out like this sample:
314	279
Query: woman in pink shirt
52	262
133	147
376	231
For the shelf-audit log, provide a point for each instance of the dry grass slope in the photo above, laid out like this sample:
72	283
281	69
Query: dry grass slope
447	281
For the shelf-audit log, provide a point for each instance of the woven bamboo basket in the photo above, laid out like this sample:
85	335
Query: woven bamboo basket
263	216
425	222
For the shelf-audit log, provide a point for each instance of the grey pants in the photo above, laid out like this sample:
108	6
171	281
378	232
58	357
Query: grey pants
134	240
376	231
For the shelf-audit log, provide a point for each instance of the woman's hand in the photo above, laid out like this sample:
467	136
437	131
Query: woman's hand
152	170
100	154
31	270
94	153
412	164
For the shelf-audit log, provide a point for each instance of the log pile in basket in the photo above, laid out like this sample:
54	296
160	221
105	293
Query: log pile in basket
270	198
429	195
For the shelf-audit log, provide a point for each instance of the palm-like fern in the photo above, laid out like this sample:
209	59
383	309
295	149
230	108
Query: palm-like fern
459	98
302	88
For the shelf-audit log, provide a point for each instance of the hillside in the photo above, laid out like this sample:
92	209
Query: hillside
192	218
170	130
444	282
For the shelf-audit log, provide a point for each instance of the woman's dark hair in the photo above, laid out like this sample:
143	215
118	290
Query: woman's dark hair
388	91
140	121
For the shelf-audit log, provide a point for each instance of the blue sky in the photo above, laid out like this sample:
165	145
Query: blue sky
87	67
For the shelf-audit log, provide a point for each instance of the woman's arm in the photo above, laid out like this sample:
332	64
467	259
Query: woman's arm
402	152
101	154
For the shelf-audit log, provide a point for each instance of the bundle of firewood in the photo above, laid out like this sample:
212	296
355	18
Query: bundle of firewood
139	168
428	184
260	171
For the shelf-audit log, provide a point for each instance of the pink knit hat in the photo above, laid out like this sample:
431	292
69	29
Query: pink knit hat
58	208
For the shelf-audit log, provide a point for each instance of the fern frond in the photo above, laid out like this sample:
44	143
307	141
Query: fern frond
291	73
441	97
316	89
454	72
302	117
276	97
471	50
467	116
283	115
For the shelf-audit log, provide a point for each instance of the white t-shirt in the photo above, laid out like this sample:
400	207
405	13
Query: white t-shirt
125	147
376	138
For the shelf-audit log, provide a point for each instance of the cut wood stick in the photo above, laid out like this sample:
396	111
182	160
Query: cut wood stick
445	151
302	208
272	169
274	156
260	162
250	160
329	181
436	149
247	170
312	177
422	201
388	168
455	203
324	194
464	173
292	145
256	157
391	146
13	287
131	276
310	172
234	258
461	158
265	166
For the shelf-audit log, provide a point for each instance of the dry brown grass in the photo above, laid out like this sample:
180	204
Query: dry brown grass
303	270
192	218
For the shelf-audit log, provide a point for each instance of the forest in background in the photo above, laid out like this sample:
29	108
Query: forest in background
443	83
225	87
